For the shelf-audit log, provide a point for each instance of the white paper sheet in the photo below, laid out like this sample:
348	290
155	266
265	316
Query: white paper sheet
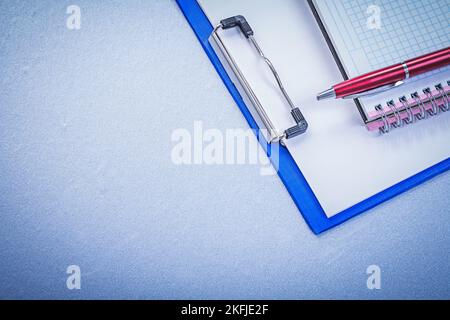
342	162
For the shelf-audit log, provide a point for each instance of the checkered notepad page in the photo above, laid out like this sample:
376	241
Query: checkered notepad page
387	31
372	34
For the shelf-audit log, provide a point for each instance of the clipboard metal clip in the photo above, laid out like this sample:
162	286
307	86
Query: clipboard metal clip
301	125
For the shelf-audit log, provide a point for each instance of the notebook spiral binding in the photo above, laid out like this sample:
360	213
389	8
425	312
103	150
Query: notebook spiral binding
407	111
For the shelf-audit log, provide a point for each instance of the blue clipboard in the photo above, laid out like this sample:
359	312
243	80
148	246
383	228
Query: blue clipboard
288	170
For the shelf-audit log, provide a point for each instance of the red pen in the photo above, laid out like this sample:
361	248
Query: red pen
387	78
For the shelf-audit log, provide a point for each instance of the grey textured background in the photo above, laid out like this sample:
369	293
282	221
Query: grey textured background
86	177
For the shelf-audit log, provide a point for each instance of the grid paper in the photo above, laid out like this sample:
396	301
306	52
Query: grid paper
409	28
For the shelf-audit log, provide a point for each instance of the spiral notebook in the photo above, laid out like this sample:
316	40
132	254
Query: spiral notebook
367	35
337	169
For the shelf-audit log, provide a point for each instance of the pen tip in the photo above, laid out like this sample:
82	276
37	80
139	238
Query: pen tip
327	94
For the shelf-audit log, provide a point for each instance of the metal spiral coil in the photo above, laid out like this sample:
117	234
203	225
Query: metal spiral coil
438	100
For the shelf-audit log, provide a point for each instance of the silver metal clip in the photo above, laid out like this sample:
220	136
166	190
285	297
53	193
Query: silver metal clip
274	135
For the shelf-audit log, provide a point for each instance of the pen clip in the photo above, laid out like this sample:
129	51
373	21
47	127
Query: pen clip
375	91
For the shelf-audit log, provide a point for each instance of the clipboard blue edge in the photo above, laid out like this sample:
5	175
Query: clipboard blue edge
288	171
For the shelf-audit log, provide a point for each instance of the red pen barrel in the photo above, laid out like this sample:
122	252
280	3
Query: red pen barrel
370	81
392	74
428	62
